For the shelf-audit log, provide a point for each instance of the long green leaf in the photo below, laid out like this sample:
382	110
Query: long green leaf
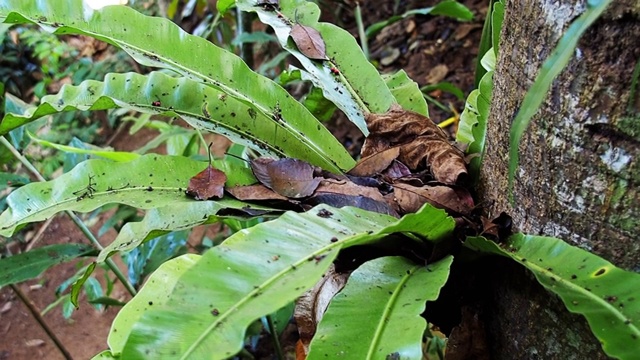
148	182
111	155
30	264
255	272
161	282
203	107
358	89
550	69
160	43
179	215
473	122
377	314
608	297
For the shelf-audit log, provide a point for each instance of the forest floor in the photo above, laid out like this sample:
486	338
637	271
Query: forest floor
430	49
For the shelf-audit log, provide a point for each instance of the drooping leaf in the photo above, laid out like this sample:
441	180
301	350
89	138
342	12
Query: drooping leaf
377	314
148	182
605	295
256	272
309	42
180	214
30	264
207	184
203	107
291	178
158	42
552	66
422	143
358	89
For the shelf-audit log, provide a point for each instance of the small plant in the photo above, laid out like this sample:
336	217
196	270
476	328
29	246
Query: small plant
200	306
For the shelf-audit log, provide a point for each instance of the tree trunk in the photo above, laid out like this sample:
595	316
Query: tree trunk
579	170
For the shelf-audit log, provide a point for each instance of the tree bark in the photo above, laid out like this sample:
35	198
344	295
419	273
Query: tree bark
579	167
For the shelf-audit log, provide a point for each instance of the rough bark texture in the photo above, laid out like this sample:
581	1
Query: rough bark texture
579	166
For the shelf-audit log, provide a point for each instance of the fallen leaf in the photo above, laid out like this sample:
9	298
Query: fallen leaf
309	42
437	74
254	193
375	163
422	143
411	198
396	170
359	201
207	184
34	342
310	307
348	188
292	178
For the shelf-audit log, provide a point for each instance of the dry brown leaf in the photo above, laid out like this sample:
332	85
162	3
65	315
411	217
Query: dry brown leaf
346	193
396	170
207	184
437	74
348	188
255	192
411	198
375	163
468	340
292	178
311	306
309	42
422	143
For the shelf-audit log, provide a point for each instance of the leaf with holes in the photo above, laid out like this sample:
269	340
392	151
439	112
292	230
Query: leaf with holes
158	42
605	295
158	180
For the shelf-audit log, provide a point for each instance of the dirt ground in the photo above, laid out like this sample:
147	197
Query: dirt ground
430	49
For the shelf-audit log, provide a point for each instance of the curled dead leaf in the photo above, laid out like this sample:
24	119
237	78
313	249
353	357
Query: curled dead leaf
411	198
422	143
311	306
207	184
309	42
